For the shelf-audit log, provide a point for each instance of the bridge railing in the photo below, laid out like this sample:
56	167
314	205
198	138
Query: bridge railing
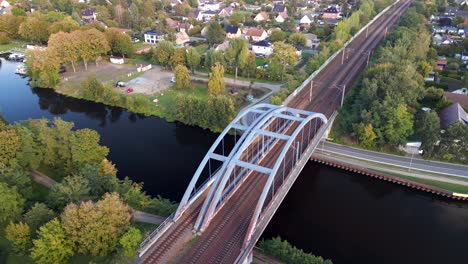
149	240
332	57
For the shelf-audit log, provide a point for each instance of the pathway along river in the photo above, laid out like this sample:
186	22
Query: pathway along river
348	218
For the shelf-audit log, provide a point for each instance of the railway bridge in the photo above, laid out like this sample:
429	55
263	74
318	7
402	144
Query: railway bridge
253	163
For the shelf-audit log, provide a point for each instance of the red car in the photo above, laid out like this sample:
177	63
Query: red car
129	90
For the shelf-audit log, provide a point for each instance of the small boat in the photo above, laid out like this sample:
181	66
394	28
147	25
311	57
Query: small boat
16	57
21	70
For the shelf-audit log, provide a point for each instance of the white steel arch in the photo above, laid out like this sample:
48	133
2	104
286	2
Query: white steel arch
214	198
276	167
262	109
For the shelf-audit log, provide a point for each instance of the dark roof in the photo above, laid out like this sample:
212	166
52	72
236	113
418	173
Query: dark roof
462	99
232	29
331	21
331	9
461	13
151	32
87	12
262	43
278	8
453	86
209	12
452	114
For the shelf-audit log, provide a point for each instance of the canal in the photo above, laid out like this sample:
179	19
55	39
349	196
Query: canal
348	218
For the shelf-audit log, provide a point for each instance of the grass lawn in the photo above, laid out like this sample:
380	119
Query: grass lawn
137	58
260	61
167	101
9	46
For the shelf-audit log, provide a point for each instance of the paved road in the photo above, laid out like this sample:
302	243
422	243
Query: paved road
417	163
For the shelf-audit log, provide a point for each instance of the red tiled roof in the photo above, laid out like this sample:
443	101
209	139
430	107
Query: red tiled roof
255	32
462	99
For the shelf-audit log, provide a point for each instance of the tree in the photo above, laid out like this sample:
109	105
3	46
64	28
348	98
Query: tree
454	143
67	25
72	189
277	35
85	148
284	54
11	203
38	215
120	43
365	134
237	52
10	25
52	245
43	66
427	126
34	29
107	168
130	241
96	228
179	57
250	64
66	46
182	77
193	58
92	45
214	56
163	52
181	9
458	20
297	39
215	33
216	81
20	236
10	143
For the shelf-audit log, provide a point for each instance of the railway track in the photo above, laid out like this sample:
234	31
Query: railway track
222	241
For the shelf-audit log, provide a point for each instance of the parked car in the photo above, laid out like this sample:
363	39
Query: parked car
119	84
62	69
135	40
129	90
173	80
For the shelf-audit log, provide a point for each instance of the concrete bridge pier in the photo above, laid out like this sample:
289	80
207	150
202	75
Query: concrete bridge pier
248	259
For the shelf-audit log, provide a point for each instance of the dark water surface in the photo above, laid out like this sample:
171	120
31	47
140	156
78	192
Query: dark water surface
348	218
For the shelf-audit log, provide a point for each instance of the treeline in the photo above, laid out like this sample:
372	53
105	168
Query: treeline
287	253
341	33
384	109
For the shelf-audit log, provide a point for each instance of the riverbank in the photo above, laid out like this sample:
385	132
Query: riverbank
443	185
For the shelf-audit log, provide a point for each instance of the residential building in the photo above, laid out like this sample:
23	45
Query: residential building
209	6
331	12
206	15
226	12
262	16
453	114
223	46
233	32
256	34
181	38
171	23
88	14
152	37
173	3
312	41
185	27
281	17
308	19
280	9
461	98
264	48
441	64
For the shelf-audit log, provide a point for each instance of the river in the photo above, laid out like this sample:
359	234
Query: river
348	218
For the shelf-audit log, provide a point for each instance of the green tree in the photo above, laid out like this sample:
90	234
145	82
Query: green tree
43	66
85	148
130	241
249	65
11	203
297	39
10	143
285	55
35	30
216	81
193	58
72	189
120	43
52	245
93	44
96	228
427	126
179	57
458	20
215	33
20	236
163	53
454	143
67	25
237	52
365	134
66	46
277	35
10	25
38	215
182	77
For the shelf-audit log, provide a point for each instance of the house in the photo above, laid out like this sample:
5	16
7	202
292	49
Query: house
281	17
309	18
262	16
88	14
143	66
450	11
223	46
206	15
226	12
256	34
264	48
209	6
181	38
312	41
116	60
152	37
446	40
185	27
331	12
457	88
462	99
171	23
298	50
4	4
461	2
453	114
252	7
280	9
302	6
233	32
441	64
461	13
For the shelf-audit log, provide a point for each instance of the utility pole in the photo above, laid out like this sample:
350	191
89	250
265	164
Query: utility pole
342	95
368	57
385	34
367	31
310	94
342	56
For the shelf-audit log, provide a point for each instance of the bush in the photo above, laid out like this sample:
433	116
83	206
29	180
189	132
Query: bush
4	39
